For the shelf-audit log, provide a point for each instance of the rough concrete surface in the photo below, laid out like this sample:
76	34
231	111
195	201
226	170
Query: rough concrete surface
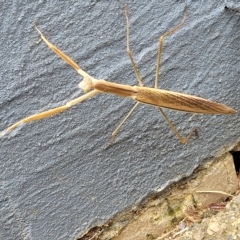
57	180
159	217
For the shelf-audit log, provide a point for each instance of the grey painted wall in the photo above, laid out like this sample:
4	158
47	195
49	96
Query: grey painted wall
56	178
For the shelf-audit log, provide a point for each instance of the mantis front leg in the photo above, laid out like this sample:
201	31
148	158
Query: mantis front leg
69	104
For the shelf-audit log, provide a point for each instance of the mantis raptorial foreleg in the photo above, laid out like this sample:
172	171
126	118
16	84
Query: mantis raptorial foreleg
160	46
50	112
63	55
60	109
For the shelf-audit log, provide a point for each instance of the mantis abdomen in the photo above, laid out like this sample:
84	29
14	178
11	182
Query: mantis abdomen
180	101
163	98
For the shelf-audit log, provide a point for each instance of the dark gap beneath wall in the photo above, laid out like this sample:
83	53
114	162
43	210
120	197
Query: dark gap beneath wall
93	233
236	160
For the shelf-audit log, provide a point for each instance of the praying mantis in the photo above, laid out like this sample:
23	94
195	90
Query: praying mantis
146	95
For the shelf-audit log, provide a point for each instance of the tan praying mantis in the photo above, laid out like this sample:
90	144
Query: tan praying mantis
153	96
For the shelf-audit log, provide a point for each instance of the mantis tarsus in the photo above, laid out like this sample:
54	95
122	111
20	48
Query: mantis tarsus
153	96
232	9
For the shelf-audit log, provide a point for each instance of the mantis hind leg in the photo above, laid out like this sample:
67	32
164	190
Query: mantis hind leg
160	46
181	139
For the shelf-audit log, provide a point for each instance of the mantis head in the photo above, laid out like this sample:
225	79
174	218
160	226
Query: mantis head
86	84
